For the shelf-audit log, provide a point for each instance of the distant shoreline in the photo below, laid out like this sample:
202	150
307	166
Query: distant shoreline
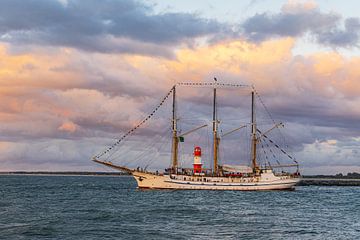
64	173
317	181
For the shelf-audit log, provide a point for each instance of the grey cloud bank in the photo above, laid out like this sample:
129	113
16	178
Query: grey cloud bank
295	21
124	26
129	26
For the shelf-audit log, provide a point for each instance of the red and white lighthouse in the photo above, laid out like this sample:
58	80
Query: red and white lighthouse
197	160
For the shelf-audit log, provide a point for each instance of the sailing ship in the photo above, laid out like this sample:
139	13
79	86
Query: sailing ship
219	176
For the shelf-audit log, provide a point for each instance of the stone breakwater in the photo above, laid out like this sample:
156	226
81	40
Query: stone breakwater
329	182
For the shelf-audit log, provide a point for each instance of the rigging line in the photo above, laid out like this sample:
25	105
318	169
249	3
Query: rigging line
146	148
137	159
158	150
136	127
261	158
263	148
277	146
266	109
277	158
268	112
151	160
115	154
137	155
270	149
272	152
266	154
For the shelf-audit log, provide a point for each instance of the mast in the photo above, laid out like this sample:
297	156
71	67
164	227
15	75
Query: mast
216	138
253	132
175	141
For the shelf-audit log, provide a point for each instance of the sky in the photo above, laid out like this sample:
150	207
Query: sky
75	75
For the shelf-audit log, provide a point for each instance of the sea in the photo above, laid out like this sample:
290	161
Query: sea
111	207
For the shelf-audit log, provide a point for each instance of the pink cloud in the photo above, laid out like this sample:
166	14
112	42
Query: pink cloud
68	127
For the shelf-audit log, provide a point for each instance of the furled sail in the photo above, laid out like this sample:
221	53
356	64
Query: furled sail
237	168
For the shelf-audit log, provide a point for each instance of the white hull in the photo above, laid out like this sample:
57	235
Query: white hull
266	181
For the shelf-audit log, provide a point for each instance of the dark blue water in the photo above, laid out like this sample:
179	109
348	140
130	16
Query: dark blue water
56	207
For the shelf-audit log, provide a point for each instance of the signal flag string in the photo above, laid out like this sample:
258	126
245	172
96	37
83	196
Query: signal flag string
136	127
210	84
278	147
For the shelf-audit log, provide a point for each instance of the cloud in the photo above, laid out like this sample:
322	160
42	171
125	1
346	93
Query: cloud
295	6
294	20
132	27
316	95
299	18
109	26
68	127
105	95
48	155
331	153
347	37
